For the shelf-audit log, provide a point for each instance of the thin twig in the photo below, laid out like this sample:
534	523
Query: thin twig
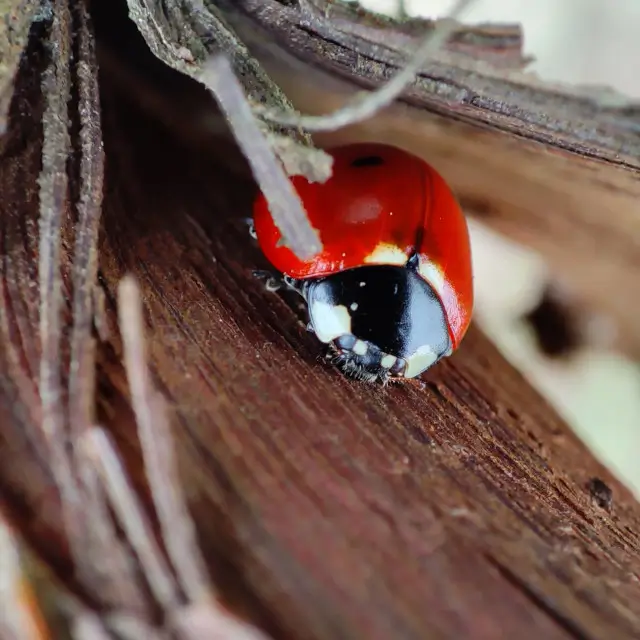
91	533
120	577
204	30
17	618
203	616
53	183
285	205
117	581
367	105
131	628
122	497
81	391
86	625
213	622
153	428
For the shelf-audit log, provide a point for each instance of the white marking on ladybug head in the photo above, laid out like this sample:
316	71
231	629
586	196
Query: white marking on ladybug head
363	284
386	253
420	361
353	306
387	361
329	321
360	348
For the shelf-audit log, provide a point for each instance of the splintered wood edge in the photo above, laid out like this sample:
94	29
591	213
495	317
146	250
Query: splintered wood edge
552	167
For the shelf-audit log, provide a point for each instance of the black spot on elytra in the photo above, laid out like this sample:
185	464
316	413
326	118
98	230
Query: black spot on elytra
367	161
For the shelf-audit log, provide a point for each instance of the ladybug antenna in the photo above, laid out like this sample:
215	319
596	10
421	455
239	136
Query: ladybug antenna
414	261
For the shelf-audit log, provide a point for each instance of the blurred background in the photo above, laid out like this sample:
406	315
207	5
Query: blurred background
597	392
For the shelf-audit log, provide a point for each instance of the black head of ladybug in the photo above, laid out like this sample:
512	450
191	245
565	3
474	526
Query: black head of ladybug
381	321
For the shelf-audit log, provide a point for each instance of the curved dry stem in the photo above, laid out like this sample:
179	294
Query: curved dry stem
85	258
154	433
97	444
201	615
365	106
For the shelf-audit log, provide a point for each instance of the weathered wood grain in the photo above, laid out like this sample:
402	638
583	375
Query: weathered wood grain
370	509
325	508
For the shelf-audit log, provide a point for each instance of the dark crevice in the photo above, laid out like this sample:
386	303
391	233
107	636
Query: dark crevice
540	601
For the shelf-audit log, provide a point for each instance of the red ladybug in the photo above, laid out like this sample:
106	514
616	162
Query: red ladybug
392	290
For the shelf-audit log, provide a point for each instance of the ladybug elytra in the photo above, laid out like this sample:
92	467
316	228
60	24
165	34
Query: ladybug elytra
391	292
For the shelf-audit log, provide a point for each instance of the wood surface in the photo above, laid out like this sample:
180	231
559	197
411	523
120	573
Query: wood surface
324	508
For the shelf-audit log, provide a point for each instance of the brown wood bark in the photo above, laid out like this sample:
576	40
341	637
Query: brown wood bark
325	508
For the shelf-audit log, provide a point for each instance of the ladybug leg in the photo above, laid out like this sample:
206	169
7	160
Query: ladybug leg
294	284
251	228
275	281
272	281
416	383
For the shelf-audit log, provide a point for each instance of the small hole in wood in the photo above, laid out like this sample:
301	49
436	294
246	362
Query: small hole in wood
553	325
601	493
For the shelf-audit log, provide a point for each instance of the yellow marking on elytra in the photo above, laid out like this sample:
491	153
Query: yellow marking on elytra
433	275
386	253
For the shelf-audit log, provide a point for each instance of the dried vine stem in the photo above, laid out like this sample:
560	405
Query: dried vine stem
153	429
369	104
218	75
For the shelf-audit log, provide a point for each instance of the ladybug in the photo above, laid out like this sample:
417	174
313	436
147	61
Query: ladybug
391	292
